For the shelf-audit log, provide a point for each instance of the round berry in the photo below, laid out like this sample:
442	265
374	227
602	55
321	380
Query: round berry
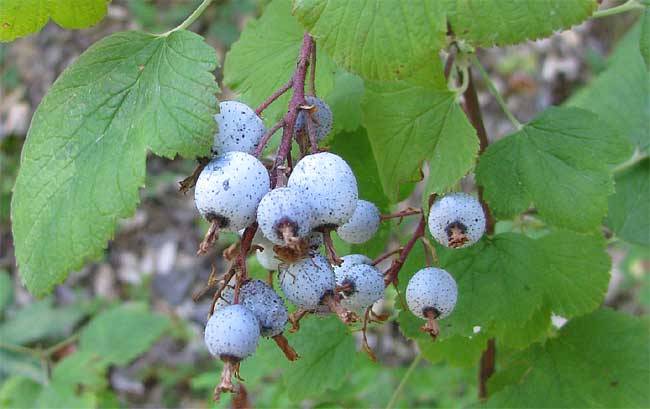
263	302
284	216
315	240
354	259
229	189
361	284
240	129
457	220
307	281
232	332
431	290
329	185
320	116
363	224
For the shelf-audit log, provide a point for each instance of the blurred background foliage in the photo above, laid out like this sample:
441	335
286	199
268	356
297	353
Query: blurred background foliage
124	332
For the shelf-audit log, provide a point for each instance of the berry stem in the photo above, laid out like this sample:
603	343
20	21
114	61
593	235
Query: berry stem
297	99
391	275
402	383
312	72
277	94
473	110
402	213
190	19
284	346
267	137
244	247
387	255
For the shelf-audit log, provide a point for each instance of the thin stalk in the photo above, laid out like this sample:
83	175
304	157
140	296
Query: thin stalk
496	93
637	157
402	383
191	19
625	7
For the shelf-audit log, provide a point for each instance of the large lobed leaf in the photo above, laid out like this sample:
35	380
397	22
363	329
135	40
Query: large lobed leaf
22	17
377	39
559	162
564	272
411	122
84	158
620	95
503	22
600	360
327	355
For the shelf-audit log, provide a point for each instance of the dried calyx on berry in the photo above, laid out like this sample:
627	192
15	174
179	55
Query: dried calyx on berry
431	294
228	191
360	284
457	220
284	216
240	128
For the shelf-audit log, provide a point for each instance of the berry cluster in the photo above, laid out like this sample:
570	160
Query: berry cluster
286	214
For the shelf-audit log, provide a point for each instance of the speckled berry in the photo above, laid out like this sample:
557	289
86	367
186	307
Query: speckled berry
315	240
240	129
457	220
267	258
232	332
431	290
263	302
307	281
229	189
329	185
284	215
362	225
362	285
354	259
321	116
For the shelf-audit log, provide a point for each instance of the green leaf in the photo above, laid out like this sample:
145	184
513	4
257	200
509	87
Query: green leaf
327	354
559	161
384	40
84	158
598	361
644	40
120	334
81	368
620	95
264	58
41	320
563	271
22	17
409	123
457	350
18	392
21	364
345	101
502	22
55	395
629	207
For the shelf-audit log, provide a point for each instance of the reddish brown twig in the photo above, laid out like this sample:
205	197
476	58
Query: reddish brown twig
267	136
387	255
277	94
390	276
230	272
240	400
473	111
402	213
364	329
244	248
282	342
295	317
311	130
312	71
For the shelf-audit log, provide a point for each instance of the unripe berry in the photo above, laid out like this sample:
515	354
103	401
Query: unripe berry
362	225
263	302
431	291
284	216
232	332
229	189
457	220
320	115
361	285
307	281
329	185
240	129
